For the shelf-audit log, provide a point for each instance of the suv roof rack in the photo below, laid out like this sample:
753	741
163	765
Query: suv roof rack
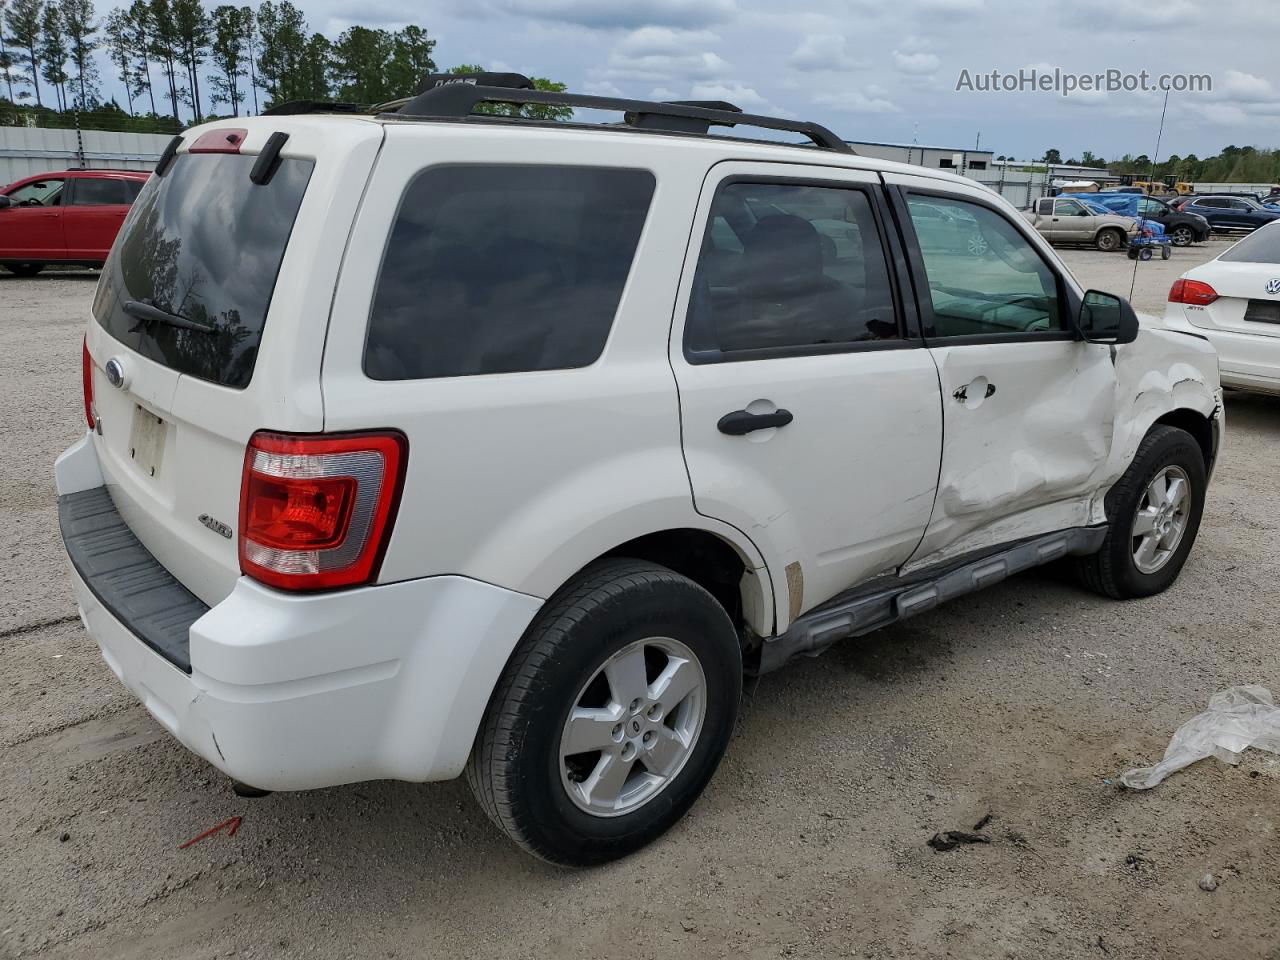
295	107
455	96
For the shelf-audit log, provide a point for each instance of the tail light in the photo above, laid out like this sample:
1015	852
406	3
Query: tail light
316	510
1194	292
86	380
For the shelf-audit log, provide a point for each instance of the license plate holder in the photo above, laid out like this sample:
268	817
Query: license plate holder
146	441
1263	311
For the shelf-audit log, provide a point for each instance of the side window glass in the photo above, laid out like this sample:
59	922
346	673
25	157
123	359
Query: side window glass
41	193
1069	208
1009	289
97	192
1046	208
792	267
504	268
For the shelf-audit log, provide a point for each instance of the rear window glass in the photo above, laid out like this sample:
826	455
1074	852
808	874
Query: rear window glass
504	268
204	243
1261	246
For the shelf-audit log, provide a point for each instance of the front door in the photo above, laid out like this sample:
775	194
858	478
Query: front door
1075	223
810	411
92	215
1028	407
31	227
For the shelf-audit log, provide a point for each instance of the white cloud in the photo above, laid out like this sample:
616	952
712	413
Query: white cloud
1131	13
823	52
872	100
665	57
609	14
601	88
1245	87
915	63
737	94
952	7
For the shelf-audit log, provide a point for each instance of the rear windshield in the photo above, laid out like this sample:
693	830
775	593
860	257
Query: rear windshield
1262	246
504	268
202	243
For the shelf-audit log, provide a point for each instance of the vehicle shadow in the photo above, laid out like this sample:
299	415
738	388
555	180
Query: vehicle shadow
47	275
1251	411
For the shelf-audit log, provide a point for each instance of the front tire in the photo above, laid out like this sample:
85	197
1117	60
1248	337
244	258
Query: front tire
1109	240
612	715
1153	516
1181	236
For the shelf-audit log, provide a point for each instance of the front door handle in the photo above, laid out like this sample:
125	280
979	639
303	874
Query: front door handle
740	422
963	393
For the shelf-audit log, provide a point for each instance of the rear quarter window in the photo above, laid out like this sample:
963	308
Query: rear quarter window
504	268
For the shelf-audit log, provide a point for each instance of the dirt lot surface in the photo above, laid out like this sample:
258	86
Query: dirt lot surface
1021	702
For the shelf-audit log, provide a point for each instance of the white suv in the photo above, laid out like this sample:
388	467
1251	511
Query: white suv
424	441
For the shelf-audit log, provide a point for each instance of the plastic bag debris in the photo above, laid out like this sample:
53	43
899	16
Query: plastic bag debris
1237	718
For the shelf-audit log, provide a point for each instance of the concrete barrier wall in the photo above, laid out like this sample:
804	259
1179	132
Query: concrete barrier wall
29	150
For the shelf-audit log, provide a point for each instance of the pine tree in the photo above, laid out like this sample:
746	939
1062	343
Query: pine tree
116	34
54	52
166	51
79	23
139	31
282	32
191	24
24	19
228	55
410	61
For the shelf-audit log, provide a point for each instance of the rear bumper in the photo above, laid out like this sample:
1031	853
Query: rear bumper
1246	361
289	692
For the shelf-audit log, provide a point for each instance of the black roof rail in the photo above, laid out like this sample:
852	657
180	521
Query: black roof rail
455	96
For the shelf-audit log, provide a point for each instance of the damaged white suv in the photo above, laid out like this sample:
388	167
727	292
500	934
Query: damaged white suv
422	441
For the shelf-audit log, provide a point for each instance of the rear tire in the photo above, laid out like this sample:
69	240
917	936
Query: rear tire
619	625
1109	240
1124	568
24	269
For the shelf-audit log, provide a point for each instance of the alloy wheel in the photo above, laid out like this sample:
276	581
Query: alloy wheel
1162	518
633	727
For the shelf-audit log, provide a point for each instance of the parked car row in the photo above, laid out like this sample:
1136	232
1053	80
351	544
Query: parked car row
70	217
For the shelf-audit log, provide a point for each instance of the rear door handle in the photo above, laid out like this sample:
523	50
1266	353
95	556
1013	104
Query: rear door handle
740	422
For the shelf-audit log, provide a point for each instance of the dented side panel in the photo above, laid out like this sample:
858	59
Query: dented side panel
1024	448
1068	428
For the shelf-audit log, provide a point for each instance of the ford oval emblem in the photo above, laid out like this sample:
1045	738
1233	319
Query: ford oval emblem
1273	285
114	370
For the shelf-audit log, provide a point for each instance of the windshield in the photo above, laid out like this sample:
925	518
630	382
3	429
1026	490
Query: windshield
204	244
1261	246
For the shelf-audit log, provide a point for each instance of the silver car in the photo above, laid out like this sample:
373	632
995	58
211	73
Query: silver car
1064	220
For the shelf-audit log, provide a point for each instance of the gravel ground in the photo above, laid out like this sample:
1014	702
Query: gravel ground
1019	703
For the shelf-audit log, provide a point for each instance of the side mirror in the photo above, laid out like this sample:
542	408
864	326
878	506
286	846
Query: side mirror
1106	318
5	202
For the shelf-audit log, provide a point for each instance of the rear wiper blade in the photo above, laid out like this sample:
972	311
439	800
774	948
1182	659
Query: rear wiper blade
149	313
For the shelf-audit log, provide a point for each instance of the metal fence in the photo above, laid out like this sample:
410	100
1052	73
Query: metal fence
29	150
1019	187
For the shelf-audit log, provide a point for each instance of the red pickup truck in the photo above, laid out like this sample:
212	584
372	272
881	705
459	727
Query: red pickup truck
69	217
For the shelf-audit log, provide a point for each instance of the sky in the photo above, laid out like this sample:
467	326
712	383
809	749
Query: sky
885	71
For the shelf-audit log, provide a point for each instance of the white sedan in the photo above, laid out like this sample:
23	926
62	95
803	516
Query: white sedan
1234	301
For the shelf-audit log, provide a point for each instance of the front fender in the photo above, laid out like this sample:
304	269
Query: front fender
1160	372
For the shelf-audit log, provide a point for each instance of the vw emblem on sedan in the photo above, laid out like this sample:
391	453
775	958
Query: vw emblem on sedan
114	371
1273	285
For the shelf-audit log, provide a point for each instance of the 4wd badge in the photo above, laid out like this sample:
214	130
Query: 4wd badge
217	526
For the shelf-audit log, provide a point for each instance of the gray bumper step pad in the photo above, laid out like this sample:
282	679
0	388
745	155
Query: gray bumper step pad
126	578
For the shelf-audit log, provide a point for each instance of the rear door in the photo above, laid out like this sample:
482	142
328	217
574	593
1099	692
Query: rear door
810	411
1028	408
31	228
254	264
92	213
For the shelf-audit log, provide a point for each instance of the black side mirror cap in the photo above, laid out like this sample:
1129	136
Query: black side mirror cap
1106	318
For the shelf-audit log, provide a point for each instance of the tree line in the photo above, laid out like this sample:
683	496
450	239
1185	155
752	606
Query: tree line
1232	165
175	59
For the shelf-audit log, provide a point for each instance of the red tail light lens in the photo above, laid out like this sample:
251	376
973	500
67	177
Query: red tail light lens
316	510
86	380
1192	291
222	140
